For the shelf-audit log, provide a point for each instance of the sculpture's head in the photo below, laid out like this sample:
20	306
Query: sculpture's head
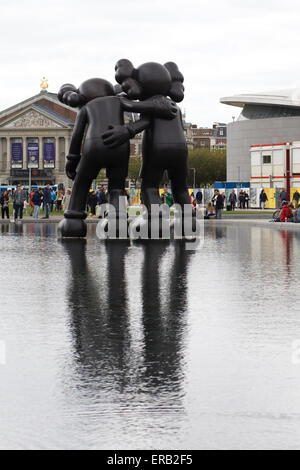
88	91
150	79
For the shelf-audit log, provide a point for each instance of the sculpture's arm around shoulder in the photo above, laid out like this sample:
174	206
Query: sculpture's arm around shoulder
118	135
159	106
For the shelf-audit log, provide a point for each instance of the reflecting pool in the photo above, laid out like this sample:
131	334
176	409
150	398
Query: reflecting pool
113	345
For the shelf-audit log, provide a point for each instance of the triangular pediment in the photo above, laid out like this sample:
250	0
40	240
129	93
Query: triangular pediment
32	119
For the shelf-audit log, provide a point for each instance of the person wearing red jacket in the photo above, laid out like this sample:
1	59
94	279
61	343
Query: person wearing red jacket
286	213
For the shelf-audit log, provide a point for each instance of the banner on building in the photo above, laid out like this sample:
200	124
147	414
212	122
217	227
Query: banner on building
17	155
49	155
33	154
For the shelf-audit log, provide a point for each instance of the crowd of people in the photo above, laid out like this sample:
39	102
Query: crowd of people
48	199
32	202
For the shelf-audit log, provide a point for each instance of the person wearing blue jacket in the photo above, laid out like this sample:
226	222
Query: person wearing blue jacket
36	199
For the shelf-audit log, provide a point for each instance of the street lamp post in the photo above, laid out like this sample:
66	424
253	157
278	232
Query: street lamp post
194	169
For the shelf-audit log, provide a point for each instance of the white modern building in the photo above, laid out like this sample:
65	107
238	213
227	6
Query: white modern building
265	119
275	165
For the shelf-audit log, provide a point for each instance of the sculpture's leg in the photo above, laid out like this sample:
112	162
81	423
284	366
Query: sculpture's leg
73	224
150	187
116	190
117	199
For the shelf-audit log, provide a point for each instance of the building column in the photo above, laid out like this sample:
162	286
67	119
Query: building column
41	153
8	151
57	154
25	159
67	144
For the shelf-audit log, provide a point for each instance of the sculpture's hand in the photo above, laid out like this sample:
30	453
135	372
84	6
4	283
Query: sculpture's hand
164	108
71	165
115	136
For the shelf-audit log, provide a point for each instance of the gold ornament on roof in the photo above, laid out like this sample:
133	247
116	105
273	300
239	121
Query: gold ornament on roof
44	83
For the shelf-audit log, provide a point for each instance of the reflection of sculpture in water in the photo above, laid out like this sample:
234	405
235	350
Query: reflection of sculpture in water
164	314
100	110
100	319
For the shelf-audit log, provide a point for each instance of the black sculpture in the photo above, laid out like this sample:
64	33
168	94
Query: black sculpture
164	144
100	110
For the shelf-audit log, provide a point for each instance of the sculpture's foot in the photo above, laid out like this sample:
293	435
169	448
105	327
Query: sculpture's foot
189	229
70	214
72	228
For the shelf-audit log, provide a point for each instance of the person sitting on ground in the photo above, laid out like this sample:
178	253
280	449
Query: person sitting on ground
286	213
210	212
297	215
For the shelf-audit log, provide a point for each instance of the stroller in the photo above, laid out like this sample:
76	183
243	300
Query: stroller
276	216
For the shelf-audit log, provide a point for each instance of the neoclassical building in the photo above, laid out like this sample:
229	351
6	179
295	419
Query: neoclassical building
35	137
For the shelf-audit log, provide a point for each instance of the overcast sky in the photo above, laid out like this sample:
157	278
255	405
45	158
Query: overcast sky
222	47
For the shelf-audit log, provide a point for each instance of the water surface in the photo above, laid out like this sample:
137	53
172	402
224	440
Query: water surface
112	345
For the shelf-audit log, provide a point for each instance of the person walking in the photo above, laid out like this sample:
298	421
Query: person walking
47	200
263	198
4	201
66	200
232	200
19	199
36	199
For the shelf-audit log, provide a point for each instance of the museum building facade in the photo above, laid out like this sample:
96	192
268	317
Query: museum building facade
34	141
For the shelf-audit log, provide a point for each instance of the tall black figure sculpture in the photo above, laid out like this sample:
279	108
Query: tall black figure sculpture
100	110
164	144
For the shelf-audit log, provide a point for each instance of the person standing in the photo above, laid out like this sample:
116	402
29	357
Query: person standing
296	198
246	200
53	199
93	202
31	203
263	198
36	199
19	199
283	197
59	199
214	199
167	197
199	197
232	200
219	204
47	200
4	201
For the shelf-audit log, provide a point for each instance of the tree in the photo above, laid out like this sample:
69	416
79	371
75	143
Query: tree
134	170
210	166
